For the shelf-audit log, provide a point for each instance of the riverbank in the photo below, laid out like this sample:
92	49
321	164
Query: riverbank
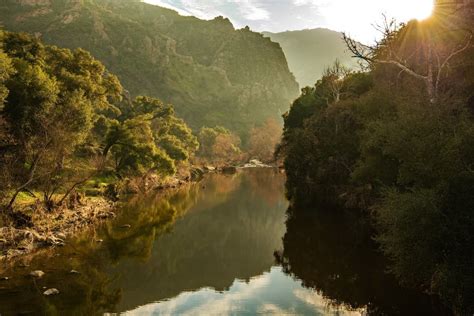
42	228
32	227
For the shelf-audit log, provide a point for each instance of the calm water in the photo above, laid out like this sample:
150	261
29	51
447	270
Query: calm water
228	245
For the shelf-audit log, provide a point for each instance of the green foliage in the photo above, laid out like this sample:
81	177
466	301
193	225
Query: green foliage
321	140
388	146
148	136
52	99
207	138
6	70
218	145
134	150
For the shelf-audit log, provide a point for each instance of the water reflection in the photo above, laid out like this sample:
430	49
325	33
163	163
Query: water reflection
203	236
271	293
229	234
210	249
332	252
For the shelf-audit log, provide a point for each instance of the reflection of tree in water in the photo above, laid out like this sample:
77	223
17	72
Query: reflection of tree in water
148	218
332	252
230	234
267	184
93	291
231	228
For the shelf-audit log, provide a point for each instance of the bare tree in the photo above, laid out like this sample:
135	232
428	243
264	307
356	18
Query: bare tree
386	51
336	74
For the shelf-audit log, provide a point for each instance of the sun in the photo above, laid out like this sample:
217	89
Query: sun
420	9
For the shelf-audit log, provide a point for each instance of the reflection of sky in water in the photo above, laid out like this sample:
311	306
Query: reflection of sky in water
271	293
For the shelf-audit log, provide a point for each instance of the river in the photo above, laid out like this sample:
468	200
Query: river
229	245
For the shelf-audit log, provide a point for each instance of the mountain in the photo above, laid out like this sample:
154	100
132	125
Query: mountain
211	73
309	51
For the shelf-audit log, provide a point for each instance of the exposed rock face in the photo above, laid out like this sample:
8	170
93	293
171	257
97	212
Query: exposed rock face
212	73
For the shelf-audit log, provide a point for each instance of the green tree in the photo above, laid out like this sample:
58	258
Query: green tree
53	99
218	144
134	150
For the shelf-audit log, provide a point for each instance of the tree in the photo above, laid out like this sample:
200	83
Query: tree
218	145
54	95
429	57
264	139
134	150
6	70
148	136
335	74
226	148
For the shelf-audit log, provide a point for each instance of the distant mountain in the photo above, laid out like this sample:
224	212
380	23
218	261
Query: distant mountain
212	73
309	51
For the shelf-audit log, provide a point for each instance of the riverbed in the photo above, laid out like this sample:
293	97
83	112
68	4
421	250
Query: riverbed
230	244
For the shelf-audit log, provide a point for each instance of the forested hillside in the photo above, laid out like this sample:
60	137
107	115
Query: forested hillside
309	52
212	73
398	141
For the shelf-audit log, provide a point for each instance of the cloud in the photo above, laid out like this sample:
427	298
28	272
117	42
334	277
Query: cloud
252	10
240	10
355	17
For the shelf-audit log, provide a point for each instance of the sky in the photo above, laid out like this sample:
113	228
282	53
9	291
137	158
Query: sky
273	293
355	17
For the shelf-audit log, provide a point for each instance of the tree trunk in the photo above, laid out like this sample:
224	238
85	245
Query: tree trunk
26	184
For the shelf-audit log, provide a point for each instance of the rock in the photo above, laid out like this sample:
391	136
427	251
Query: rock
99	240
256	162
209	168
126	226
37	274
229	169
74	272
54	241
52	291
4	278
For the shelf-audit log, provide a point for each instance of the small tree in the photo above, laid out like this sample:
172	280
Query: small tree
335	75
218	144
264	139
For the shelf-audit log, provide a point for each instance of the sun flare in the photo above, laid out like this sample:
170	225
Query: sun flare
421	9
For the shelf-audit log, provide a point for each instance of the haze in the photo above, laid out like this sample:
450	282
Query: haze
355	17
